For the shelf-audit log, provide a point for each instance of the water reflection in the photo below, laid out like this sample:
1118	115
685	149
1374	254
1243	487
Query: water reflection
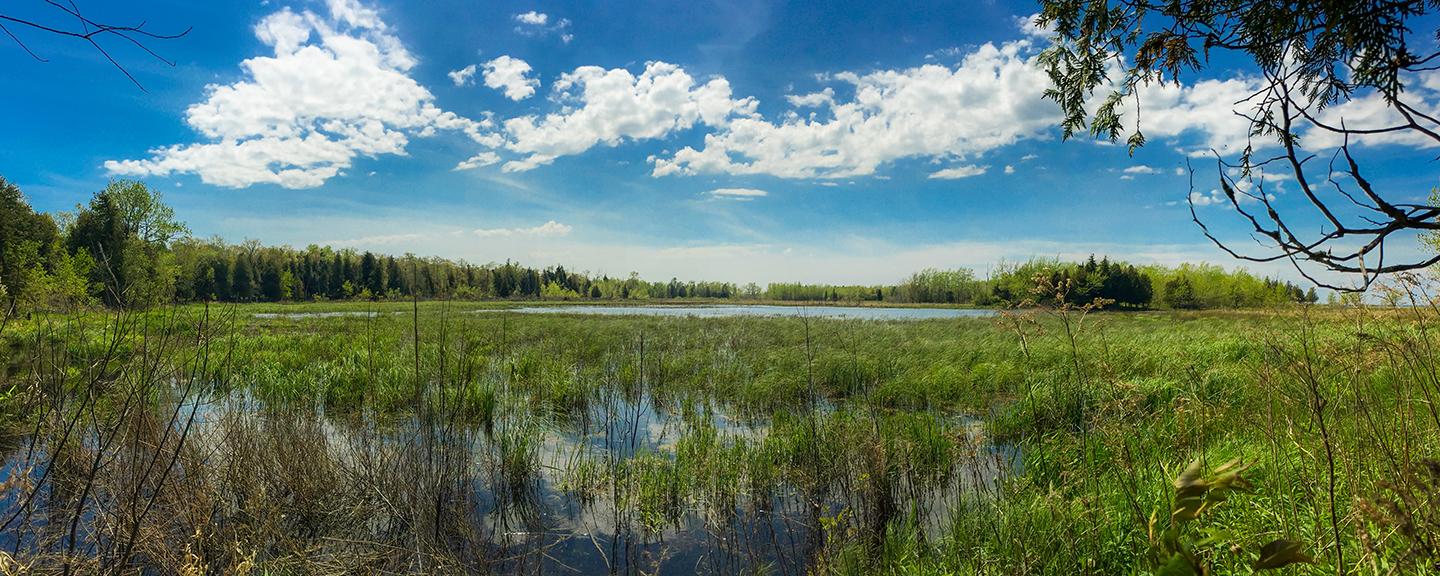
725	311
630	484
303	315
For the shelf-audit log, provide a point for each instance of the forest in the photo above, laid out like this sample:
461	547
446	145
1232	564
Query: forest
126	248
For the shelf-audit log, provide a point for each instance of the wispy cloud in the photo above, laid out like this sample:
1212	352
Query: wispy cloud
534	23
551	228
375	240
738	193
962	172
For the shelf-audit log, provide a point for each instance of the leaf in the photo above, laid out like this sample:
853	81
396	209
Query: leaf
1178	565
1190	491
1214	536
1136	140
1281	553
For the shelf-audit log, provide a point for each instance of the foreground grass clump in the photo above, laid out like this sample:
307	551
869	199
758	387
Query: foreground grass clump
433	438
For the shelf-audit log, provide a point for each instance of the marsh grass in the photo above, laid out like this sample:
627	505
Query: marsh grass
205	440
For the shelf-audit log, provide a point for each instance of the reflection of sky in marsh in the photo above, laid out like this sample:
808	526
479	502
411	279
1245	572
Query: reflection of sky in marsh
725	311
303	315
603	532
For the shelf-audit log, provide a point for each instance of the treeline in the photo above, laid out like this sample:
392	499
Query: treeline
126	249
1184	287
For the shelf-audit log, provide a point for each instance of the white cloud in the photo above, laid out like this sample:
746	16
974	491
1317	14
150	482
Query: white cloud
463	76
951	52
991	99
532	18
1179	171
481	159
336	88
535	24
1208	107
960	172
1009	169
1030	26
1142	169
1202	199
740	193
374	240
1370	112
1127	177
825	97
508	74
550	228
608	106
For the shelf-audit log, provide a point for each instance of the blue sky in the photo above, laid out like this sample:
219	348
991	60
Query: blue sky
840	142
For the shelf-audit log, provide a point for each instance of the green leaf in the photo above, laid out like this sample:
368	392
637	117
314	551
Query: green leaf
1281	553
1136	140
1178	565
1214	536
1190	491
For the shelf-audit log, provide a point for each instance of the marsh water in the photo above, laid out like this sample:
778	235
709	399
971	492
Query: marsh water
546	460
724	311
547	520
713	311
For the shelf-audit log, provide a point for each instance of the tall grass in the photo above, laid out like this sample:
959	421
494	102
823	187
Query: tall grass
435	440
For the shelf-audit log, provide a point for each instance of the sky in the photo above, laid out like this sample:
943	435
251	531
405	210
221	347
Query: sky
840	142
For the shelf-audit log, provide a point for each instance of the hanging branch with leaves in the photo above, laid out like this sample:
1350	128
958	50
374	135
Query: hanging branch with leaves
1310	56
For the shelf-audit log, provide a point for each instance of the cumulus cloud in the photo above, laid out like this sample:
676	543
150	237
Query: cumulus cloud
550	228
1201	199
335	88
960	172
463	76
1206	108
532	18
608	106
1009	169
508	74
738	193
991	99
1142	169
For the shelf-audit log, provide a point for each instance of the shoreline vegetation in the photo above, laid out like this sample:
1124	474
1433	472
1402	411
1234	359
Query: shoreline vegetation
141	433
126	249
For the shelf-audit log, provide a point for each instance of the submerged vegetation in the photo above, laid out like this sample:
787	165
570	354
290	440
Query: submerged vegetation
436	437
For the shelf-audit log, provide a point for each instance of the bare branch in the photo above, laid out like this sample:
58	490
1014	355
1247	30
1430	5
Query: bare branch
90	31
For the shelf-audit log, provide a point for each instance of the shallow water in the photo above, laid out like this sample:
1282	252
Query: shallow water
299	315
726	310
539	526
